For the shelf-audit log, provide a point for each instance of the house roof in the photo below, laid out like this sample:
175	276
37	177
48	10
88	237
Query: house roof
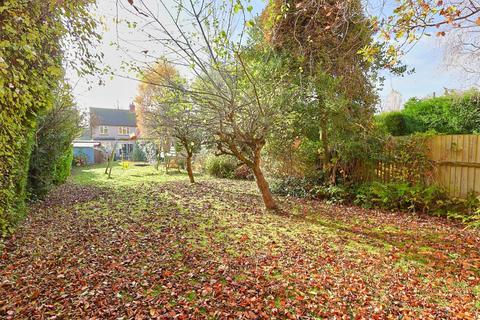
113	117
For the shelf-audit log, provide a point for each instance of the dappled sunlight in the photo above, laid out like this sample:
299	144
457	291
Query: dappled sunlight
210	247
223	159
129	175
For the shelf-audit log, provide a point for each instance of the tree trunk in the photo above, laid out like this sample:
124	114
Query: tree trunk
264	188
189	167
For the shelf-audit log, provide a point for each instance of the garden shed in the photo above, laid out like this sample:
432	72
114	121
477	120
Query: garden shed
85	149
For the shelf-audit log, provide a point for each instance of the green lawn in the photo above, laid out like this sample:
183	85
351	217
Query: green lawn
124	175
149	245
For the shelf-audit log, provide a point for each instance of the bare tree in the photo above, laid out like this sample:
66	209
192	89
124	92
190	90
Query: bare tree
209	41
462	53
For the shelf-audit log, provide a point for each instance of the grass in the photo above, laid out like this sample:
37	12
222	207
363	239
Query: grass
124	175
151	244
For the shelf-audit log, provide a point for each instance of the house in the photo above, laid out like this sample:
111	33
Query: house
112	127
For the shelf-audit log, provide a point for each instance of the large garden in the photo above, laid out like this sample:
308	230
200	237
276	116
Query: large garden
265	182
150	245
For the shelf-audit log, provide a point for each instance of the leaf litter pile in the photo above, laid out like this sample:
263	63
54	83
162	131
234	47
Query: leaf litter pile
209	251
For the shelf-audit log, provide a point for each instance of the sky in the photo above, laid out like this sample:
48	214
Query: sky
117	92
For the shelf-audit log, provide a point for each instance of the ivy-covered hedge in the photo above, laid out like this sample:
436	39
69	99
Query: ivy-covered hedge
28	72
32	38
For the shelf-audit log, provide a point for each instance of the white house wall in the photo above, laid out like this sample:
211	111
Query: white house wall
112	133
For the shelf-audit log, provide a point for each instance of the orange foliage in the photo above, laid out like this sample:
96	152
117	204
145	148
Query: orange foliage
152	81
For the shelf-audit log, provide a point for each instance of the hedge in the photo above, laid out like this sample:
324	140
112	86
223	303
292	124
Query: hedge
31	35
453	113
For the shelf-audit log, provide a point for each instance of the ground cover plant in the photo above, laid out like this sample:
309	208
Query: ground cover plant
139	246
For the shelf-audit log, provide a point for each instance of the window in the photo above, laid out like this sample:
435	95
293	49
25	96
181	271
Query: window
126	148
103	130
124	130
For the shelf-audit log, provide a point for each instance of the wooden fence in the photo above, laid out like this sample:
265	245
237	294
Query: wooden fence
457	163
453	163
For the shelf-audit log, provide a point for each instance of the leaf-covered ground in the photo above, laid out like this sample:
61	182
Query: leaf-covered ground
140	249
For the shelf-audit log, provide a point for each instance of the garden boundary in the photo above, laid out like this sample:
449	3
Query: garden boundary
455	165
457	162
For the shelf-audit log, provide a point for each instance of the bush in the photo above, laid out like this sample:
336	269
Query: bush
293	186
138	154
400	196
472	220
221	166
63	167
332	193
313	188
51	157
430	114
465	112
13	186
396	123
453	113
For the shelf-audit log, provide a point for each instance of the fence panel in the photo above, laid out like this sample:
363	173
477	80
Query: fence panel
457	159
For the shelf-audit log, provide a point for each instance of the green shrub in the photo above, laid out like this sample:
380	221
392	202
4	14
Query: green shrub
221	166
297	187
51	156
332	193
63	167
465	112
138	154
396	123
430	114
400	196
472	220
13	186
313	188
397	196
453	113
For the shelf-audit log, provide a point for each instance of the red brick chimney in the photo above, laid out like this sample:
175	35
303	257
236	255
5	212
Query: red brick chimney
132	107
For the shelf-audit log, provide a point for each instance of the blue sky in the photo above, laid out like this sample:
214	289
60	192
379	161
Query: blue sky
430	75
426	58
